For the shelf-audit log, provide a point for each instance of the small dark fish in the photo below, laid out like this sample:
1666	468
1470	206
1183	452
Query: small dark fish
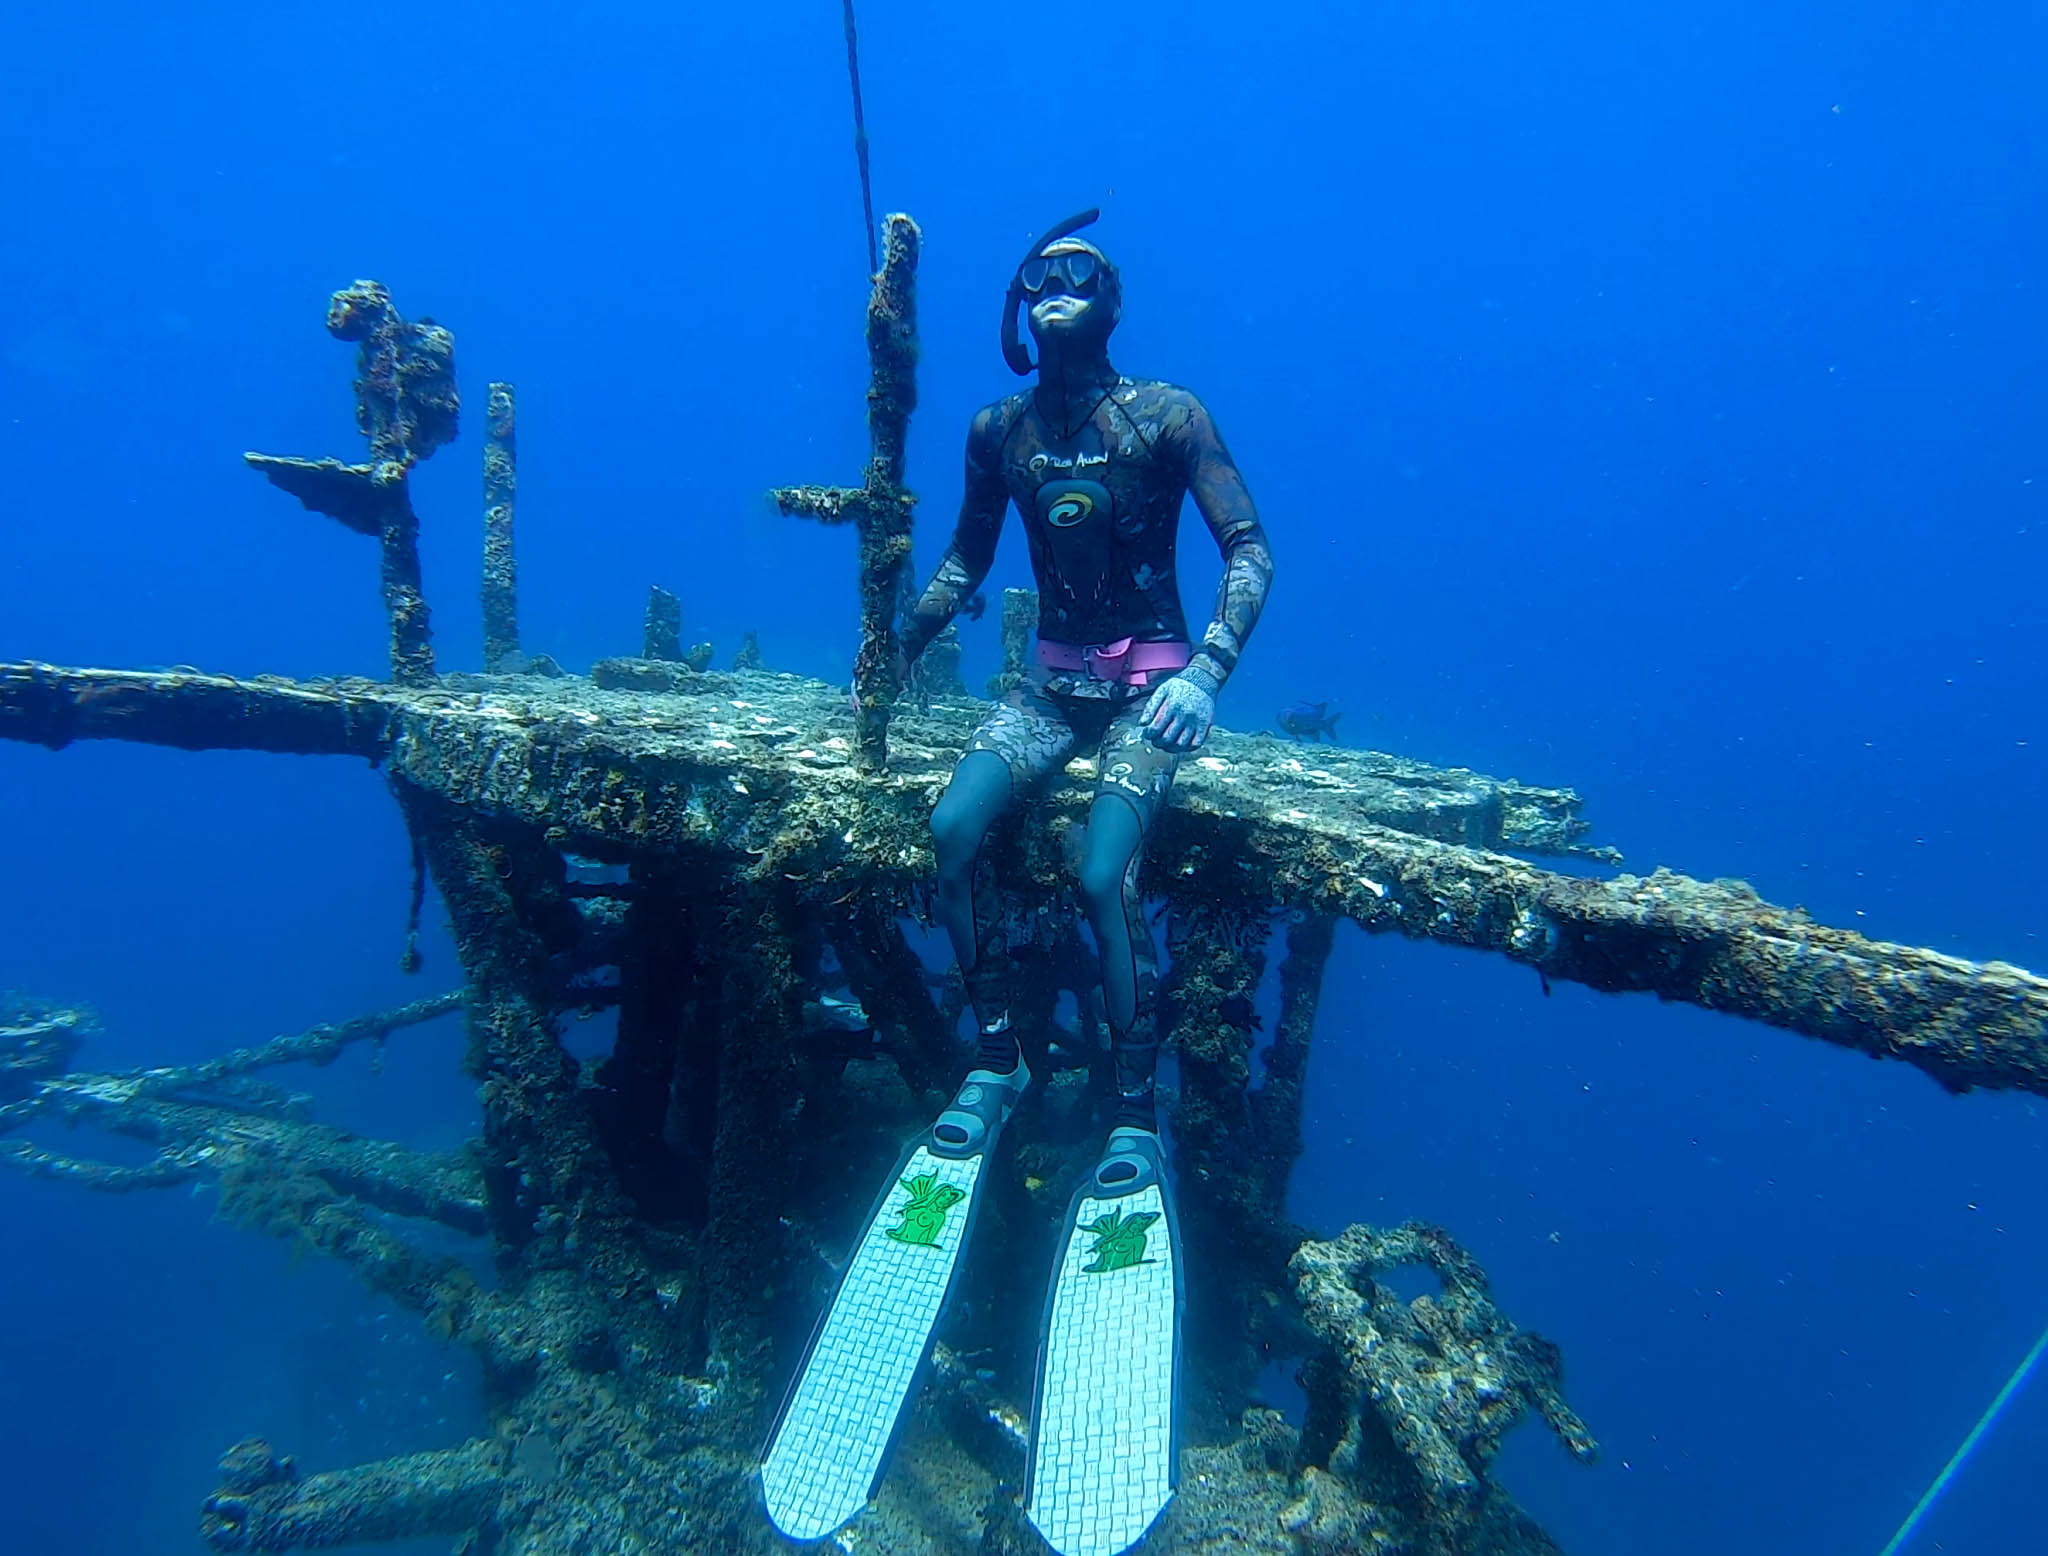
975	606
1310	721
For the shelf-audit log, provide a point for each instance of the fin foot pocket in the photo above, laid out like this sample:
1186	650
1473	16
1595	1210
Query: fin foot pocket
978	1111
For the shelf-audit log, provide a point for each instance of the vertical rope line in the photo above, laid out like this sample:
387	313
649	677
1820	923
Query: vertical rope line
860	137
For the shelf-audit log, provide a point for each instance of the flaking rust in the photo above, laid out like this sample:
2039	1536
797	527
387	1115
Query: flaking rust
734	862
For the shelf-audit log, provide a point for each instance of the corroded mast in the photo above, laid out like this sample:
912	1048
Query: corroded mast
880	507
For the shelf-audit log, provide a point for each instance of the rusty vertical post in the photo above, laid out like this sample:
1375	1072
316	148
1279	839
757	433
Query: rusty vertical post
501	569
880	507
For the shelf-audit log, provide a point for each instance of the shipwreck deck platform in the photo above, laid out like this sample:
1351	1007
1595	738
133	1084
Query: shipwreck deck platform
759	767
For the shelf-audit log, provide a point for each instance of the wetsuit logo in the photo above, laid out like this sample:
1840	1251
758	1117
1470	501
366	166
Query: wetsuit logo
1070	509
1064	504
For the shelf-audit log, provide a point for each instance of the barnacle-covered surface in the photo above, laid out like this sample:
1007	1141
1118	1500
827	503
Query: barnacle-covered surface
216	1117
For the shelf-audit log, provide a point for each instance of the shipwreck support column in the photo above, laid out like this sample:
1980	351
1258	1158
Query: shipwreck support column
661	635
501	486
754	942
552	1195
1276	1104
889	981
1233	1204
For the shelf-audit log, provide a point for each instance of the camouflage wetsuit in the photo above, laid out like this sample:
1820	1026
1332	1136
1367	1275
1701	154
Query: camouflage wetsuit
1101	509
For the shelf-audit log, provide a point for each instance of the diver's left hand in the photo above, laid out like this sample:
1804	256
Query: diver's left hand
1182	712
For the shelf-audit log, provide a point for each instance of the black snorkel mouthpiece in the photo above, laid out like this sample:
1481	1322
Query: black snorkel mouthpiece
1013	342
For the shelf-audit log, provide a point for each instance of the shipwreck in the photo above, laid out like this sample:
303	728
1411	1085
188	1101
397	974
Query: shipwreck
731	859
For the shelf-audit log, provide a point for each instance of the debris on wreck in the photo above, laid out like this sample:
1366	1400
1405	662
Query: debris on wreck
1409	1400
735	862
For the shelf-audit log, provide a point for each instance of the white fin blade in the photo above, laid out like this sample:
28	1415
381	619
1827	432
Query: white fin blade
829	1446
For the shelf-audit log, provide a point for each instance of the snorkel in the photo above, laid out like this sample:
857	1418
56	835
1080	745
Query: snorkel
1013	343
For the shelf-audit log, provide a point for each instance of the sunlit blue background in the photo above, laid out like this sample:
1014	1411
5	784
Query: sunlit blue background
1640	397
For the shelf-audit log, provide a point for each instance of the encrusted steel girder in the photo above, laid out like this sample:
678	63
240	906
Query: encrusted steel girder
758	769
263	1503
213	1119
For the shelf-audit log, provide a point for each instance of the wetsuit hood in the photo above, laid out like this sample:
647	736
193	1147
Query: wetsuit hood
1013	342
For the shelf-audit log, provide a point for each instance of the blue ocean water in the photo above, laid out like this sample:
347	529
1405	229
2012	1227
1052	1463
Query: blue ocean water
1641	397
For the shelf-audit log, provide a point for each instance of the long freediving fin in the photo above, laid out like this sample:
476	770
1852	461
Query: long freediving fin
1105	1439
832	1438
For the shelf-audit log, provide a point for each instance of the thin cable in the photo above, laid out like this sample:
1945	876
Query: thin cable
860	137
2012	1384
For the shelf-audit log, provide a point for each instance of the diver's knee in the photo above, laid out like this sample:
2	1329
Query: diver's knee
955	837
976	795
1102	881
1114	838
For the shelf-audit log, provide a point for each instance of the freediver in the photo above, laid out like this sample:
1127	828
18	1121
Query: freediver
1096	464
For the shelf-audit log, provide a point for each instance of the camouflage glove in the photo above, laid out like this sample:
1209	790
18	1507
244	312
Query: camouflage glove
1182	711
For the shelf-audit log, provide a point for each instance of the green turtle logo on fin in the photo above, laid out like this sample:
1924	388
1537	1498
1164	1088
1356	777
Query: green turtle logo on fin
924	1215
1119	1241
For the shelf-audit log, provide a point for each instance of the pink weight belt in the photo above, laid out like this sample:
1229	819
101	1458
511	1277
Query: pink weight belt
1126	661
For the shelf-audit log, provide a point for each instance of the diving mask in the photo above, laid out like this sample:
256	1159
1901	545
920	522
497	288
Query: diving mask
1075	273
